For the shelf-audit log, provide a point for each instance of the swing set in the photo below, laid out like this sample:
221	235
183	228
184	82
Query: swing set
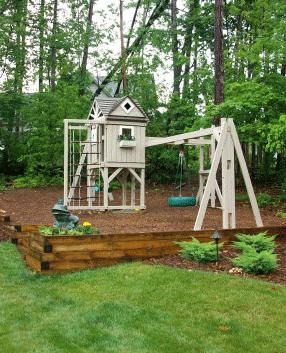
181	201
95	156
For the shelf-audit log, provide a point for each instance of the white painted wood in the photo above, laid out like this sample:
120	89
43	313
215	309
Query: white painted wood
66	161
218	192
132	171
212	152
192	142
114	174
133	190
105	187
228	184
246	175
211	179
142	189
171	139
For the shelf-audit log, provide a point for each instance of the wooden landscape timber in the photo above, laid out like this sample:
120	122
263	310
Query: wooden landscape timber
56	254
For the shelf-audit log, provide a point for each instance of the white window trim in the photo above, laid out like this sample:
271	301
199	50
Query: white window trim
127	127
130	103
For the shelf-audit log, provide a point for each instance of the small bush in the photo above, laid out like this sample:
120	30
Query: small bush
264	199
281	214
200	252
241	197
84	229
282	197
259	242
36	181
255	262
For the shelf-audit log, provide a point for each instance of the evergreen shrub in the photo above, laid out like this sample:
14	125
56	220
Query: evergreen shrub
200	252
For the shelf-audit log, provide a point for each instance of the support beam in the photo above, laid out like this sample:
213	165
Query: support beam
132	171
153	141
114	174
246	176
133	190
142	190
105	187
66	161
211	179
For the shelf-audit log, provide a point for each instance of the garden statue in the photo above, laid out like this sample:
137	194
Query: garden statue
63	218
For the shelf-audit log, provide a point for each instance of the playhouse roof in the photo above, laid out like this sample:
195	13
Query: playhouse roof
108	105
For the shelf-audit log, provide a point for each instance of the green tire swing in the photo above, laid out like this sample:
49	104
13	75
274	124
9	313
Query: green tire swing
181	201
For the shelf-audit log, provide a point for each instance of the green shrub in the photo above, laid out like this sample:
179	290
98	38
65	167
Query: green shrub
85	229
241	197
255	262
200	252
283	185
264	199
259	242
36	181
282	197
281	214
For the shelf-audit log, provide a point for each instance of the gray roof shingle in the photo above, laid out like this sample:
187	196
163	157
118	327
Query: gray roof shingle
107	105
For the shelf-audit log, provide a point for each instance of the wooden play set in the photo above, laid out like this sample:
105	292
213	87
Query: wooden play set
110	145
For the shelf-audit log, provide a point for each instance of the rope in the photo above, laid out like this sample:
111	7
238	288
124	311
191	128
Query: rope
179	173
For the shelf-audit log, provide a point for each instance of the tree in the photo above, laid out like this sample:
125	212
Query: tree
218	55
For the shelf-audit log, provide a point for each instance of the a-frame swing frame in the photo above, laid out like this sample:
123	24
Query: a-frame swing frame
227	145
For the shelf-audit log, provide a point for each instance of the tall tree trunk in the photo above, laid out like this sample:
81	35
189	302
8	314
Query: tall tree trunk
53	46
123	52
218	54
157	12
128	40
41	44
20	55
188	50
86	48
177	68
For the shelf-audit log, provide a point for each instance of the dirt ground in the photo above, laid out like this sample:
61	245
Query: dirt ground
33	206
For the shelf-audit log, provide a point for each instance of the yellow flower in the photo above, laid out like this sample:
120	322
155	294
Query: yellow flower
86	224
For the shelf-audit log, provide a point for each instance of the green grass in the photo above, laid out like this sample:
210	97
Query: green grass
137	308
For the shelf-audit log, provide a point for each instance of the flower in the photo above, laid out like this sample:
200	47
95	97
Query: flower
86	224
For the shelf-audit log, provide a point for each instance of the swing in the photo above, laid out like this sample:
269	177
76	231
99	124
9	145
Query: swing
181	201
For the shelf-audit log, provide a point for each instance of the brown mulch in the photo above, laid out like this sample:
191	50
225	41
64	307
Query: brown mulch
33	206
224	265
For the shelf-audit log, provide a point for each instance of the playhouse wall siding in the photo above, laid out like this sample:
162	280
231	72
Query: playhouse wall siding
116	154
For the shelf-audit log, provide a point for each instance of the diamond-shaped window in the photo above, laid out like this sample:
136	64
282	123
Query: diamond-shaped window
127	105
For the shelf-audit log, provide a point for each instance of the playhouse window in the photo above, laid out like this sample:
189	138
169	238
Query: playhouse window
126	133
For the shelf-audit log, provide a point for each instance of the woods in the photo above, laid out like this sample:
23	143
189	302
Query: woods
188	63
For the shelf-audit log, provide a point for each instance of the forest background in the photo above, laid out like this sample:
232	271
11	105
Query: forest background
53	51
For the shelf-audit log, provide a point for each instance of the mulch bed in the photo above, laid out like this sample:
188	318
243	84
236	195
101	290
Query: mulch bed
225	265
33	206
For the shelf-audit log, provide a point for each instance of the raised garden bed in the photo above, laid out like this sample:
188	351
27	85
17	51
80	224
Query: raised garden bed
72	253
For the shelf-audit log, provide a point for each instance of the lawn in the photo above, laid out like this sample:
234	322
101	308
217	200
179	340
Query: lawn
137	308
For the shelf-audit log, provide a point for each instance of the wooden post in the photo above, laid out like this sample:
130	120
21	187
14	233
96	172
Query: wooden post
142	189
66	161
211	179
212	152
133	191
124	187
245	174
105	187
228	183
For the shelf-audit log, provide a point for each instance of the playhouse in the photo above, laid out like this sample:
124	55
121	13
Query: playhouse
110	145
